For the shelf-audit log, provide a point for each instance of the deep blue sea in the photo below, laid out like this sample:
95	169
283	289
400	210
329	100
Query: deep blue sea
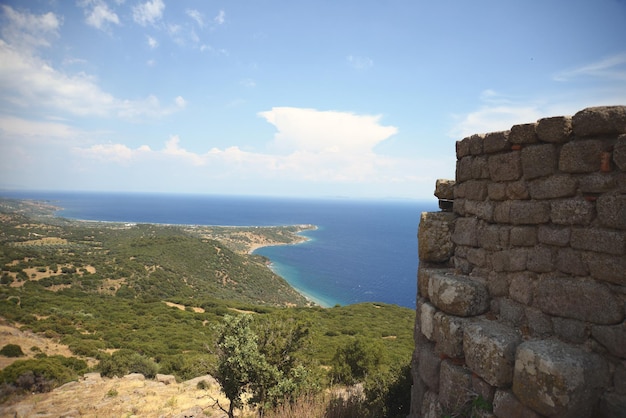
362	251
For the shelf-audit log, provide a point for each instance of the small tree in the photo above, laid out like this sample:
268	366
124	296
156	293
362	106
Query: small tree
354	361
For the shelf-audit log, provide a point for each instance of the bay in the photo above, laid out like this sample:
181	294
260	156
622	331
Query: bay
361	251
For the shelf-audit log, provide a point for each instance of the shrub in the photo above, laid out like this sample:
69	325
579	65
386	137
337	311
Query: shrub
126	361
12	350
43	374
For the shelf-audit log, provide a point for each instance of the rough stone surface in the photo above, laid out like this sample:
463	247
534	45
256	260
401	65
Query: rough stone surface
540	259
554	129
464	169
529	212
612	337
449	334
570	330
521	287
455	383
539	324
574	211
429	365
496	142
608	268
431	408
517	190
619	153
490	351
552	187
612	405
427	319
571	261
585	300
458	295
506	405
434	236
598	240
165	378
553	235
539	161
581	156
483	210
509	260
602	120
511	312
505	167
612	211
466	232
444	189
496	191
523	236
558	380
523	134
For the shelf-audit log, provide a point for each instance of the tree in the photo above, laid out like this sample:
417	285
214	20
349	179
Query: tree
355	360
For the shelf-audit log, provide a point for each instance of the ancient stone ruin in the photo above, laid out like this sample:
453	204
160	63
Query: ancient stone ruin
522	277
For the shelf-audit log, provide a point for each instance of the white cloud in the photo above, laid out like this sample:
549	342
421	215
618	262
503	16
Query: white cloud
359	63
326	131
220	18
493	119
195	16
29	31
149	12
152	43
180	102
99	16
613	67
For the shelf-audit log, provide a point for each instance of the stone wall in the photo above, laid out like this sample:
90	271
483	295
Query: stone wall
522	277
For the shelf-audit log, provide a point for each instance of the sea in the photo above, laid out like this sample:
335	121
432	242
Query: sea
361	251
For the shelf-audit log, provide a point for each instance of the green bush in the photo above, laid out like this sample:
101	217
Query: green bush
126	361
43	374
12	350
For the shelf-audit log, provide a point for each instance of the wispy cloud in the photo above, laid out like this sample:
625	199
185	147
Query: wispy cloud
220	18
196	16
149	12
98	14
152	43
613	67
27	31
359	63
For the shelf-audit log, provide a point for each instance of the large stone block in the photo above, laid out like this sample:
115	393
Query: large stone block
493	237
612	337
517	190
444	189
455	385
431	408
539	324
489	349
575	211
608	268
480	169
522	287
466	232
505	167
523	236
429	365
449	334
506	405
523	134
553	187
612	211
496	142
540	259
586	300
571	261
551	235
480	209
458	295
602	120
599	240
581	156
434	236
539	161
570	330
463	170
472	189
510	260
426	316
554	129
559	380
528	212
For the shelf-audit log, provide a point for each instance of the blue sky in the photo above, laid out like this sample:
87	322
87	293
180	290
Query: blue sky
291	98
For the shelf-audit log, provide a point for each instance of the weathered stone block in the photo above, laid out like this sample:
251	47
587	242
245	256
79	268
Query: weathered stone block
602	120
540	259
449	334
608	268
511	312
523	236
558	380
458	295
612	337
427	319
480	169
167	379
455	383
571	261
581	156
553	187
612	211
496	142
466	232
489	349
619	153
444	189
517	190
528	212
476	144
523	134
434	236
423	276
612	405
477	257
458	206
431	408
496	191
598	240
576	211
510	260
539	161
619	378
551	235
586	300
601	182
521	287
506	405
429	365
502	212
482	388
473	190
570	330
481	209
498	284
539	324
463	169
505	167
493	237
554	129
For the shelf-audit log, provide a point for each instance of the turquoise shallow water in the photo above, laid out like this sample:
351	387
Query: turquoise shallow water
362	251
